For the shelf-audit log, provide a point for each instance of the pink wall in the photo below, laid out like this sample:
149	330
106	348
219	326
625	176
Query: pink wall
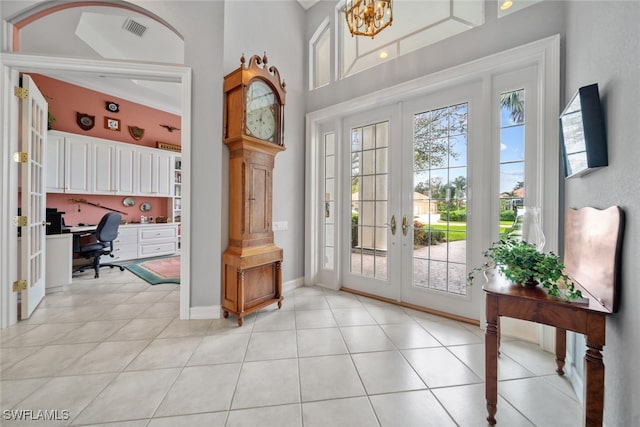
65	100
91	214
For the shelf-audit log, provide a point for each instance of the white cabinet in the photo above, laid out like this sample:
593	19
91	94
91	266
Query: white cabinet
77	165
54	163
156	241
155	167
103	163
145	240
127	179
125	246
86	165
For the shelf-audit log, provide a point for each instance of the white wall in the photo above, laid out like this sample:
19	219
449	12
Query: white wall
533	23
201	24
277	27
603	46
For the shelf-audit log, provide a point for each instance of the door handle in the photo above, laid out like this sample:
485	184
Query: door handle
393	225
405	225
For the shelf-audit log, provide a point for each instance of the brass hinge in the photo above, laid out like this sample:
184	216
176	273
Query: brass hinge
20	157
20	221
21	92
19	285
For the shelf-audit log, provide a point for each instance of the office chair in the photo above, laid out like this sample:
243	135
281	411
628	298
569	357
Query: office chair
106	232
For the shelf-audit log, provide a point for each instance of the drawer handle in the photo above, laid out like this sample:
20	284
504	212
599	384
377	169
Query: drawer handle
158	234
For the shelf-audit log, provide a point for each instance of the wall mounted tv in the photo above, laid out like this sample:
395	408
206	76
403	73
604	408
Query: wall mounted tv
582	133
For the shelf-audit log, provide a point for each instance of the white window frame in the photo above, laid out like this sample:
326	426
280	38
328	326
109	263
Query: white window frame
543	54
322	28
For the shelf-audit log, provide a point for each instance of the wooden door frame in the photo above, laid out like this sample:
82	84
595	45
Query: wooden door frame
12	65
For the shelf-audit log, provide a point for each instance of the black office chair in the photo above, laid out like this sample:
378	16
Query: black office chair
106	232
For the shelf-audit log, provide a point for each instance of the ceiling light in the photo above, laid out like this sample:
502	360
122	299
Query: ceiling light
383	54
506	5
368	17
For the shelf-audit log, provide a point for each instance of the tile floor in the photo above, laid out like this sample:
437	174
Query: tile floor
112	351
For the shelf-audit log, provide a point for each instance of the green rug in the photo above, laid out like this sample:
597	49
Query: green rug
157	270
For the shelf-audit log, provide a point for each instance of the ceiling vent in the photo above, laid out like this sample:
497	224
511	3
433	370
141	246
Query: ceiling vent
134	27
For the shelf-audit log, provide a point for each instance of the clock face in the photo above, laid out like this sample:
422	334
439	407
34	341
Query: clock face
262	111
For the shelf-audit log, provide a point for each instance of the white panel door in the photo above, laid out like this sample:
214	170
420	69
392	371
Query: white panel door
78	165
104	159
54	165
146	165
33	139
126	169
164	175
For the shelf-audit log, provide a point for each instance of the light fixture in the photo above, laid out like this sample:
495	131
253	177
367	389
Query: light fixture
383	54
368	17
506	5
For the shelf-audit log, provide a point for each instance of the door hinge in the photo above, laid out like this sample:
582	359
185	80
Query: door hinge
21	92
20	157
20	221
19	285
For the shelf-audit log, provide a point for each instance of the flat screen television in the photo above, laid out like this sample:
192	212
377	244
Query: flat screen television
582	133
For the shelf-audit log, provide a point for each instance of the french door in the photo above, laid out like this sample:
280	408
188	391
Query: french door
408	202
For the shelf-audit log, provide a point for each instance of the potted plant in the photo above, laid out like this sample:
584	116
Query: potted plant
524	265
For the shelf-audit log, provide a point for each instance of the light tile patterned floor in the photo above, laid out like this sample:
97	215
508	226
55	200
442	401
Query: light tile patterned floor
112	351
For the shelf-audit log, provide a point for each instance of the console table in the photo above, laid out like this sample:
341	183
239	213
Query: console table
593	240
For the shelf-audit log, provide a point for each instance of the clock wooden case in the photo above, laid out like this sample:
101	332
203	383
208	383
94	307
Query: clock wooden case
253	132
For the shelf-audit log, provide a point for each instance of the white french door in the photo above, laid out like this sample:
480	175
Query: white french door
407	202
33	138
371	254
442	154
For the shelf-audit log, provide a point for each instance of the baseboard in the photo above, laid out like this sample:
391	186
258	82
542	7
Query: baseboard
292	284
205	312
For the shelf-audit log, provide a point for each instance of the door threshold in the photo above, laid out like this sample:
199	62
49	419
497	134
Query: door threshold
414	307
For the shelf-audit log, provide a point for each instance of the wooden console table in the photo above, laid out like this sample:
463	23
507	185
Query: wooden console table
593	241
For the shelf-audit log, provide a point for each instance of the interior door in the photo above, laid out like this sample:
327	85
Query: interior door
441	151
33	136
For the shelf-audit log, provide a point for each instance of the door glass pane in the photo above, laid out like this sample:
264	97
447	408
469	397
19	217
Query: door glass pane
369	197
511	198
329	200
440	199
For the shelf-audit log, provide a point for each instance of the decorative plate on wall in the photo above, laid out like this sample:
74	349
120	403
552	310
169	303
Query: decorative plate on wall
85	121
145	207
129	201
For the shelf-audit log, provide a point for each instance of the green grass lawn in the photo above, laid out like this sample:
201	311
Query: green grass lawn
455	231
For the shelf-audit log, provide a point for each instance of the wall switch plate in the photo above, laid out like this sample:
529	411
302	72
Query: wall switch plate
280	225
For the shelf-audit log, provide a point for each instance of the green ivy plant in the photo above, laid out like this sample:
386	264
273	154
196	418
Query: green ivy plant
522	263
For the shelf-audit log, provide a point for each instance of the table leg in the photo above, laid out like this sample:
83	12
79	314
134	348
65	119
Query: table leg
561	349
491	358
594	385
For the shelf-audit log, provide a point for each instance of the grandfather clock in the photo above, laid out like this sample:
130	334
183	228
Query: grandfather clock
253	132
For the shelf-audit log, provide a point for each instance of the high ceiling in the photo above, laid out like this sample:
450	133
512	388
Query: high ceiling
108	32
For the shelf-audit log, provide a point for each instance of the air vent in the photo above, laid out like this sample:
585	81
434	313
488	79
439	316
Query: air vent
134	27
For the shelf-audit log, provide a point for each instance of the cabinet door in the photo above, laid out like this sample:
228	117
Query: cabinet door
164	174
104	169
54	163
126	169
78	165
146	160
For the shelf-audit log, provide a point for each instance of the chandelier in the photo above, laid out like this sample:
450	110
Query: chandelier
368	17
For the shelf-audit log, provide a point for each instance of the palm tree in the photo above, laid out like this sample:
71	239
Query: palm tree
514	103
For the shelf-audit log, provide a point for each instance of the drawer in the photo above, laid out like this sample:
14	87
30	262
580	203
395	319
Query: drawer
158	233
123	254
158	249
127	238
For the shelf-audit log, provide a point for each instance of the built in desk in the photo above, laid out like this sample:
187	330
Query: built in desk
593	240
